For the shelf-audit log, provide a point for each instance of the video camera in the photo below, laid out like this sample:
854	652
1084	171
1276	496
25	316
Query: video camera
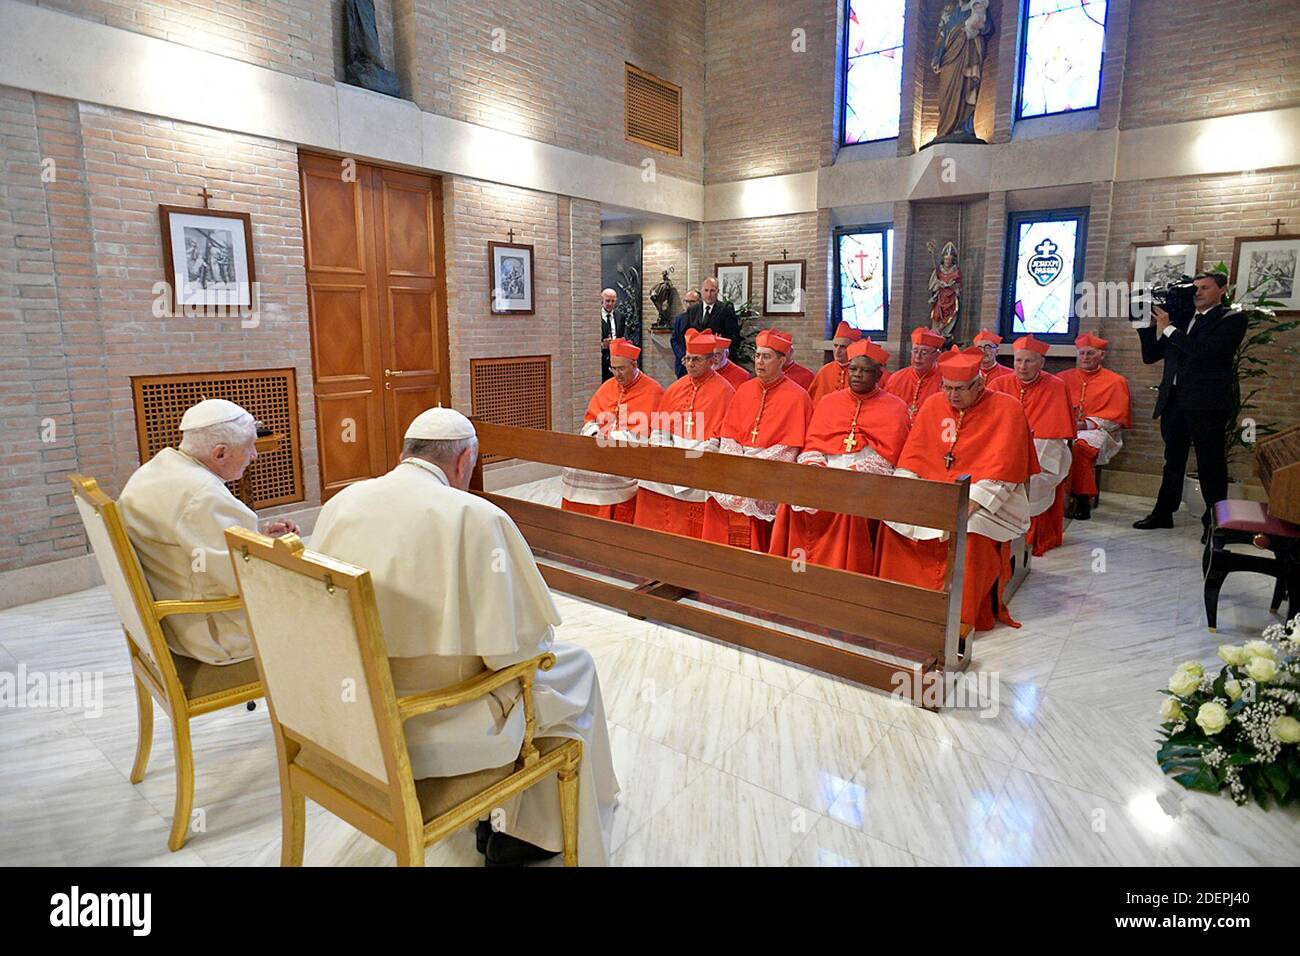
1177	298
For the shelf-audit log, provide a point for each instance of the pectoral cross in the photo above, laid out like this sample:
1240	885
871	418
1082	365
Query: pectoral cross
948	459
849	441
753	435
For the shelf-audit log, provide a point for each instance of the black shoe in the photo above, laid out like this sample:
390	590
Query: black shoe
1082	508
505	850
1154	520
481	834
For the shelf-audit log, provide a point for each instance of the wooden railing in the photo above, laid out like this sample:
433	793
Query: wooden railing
877	632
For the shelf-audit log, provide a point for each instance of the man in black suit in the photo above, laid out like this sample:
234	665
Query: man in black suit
678	338
611	327
1195	403
717	317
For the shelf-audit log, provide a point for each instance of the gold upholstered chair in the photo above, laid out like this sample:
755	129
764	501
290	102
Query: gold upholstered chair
184	687
337	721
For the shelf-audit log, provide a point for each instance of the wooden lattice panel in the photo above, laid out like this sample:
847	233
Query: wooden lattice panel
511	391
269	395
652	110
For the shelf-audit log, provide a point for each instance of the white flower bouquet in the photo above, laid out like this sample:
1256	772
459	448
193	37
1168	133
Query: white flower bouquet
1241	729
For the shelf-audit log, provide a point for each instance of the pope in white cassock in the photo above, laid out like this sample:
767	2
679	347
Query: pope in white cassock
176	508
459	593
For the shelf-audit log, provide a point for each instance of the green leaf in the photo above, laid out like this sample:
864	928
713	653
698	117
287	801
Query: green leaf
1277	778
1201	780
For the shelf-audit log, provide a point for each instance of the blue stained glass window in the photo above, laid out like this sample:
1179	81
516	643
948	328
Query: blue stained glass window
1061	52
873	69
864	255
1045	258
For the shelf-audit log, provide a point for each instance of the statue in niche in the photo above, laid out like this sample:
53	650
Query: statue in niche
361	53
959	48
945	290
663	296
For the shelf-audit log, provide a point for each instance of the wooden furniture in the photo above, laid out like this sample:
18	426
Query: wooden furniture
1277	463
244	486
270	395
867	629
377	306
1250	522
338	723
185	688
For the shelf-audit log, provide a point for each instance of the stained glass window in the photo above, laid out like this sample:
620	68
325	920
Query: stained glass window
864	254
1061	52
873	69
1046	249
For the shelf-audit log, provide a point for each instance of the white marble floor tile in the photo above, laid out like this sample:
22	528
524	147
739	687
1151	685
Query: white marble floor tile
831	843
804	751
650	775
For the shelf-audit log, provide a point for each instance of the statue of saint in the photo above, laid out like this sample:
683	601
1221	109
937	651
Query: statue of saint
945	290
364	63
964	29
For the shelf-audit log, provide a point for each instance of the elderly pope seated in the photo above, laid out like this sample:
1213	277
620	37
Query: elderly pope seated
458	593
176	508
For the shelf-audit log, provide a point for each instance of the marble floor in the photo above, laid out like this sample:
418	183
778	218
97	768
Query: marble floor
726	757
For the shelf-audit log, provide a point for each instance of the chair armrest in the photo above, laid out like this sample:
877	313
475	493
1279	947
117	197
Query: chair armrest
162	609
477	686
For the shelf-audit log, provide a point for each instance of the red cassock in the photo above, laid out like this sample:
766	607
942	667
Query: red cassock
1097	394
769	423
734	374
993	442
1046	402
800	375
831	377
690	416
617	414
991	375
914	389
877	422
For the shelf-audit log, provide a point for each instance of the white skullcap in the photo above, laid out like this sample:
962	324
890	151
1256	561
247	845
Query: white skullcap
441	424
211	411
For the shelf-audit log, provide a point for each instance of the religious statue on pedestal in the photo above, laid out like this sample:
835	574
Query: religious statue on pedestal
945	290
964	29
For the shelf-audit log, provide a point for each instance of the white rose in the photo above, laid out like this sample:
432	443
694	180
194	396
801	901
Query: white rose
1262	669
1287	730
1184	683
1212	717
1192	667
1232	687
1261	649
1171	711
1232	654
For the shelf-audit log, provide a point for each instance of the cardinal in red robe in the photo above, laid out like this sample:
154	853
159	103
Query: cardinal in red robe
967	429
801	375
767	419
689	417
1046	402
725	367
859	428
834	375
1102	410
920	380
987	342
619	413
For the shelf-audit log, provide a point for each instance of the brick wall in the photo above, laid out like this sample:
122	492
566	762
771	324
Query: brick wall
1209	58
779	118
292	36
81	255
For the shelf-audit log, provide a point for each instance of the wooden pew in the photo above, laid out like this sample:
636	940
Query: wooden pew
894	636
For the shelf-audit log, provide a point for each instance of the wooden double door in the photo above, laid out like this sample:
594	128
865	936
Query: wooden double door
376	297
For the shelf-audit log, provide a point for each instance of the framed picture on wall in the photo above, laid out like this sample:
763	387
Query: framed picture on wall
783	287
1154	265
208	257
734	281
511	271
1264	267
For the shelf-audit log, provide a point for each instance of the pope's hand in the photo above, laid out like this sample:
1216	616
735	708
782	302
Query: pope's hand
283	526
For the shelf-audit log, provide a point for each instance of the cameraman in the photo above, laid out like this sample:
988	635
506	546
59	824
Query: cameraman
1198	345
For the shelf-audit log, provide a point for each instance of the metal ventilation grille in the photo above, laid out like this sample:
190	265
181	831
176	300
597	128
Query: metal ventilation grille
511	391
652	110
269	395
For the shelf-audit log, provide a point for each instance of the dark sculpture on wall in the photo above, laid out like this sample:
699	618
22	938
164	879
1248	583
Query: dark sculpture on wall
365	61
664	295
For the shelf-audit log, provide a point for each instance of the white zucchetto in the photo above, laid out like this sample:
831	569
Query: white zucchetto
440	424
211	411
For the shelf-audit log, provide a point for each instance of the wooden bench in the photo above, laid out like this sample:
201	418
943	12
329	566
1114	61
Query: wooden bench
894	636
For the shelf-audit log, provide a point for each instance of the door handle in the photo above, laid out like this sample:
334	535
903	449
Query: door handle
393	373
